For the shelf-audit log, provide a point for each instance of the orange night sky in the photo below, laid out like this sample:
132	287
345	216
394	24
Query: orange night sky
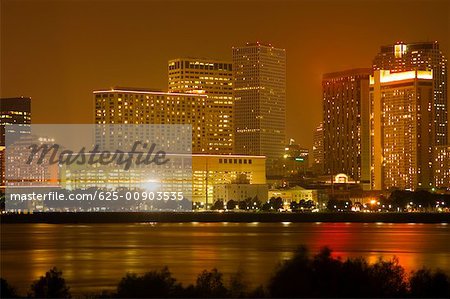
57	52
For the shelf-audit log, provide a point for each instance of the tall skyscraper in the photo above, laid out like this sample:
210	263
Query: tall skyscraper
215	79
318	158
401	129
13	111
143	106
346	124
260	100
421	56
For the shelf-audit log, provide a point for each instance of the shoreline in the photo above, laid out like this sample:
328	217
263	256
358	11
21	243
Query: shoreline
244	217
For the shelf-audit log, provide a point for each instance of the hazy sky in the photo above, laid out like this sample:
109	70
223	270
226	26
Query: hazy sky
57	52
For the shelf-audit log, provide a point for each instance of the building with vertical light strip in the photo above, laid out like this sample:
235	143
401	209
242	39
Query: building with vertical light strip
402	57
346	124
213	78
260	100
401	130
318	150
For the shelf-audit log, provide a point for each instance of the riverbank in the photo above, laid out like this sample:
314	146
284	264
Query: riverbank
119	217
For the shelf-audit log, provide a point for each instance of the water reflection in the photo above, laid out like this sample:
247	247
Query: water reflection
95	256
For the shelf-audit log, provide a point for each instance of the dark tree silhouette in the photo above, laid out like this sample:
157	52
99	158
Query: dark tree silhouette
231	204
276	203
154	284
210	285
6	290
325	276
294	205
424	283
217	205
52	285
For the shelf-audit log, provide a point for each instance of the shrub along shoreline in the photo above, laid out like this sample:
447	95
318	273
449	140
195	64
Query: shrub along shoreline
304	275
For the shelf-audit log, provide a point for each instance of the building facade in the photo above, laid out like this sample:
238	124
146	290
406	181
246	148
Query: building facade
294	162
240	192
401	129
141	106
318	158
13	111
402	57
213	78
209	171
260	100
295	194
441	166
346	124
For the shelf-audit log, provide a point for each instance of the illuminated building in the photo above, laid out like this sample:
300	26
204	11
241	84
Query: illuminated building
138	106
346	124
421	56
208	171
295	160
240	192
441	166
401	129
296	194
260	100
141	106
318	158
215	79
13	111
23	174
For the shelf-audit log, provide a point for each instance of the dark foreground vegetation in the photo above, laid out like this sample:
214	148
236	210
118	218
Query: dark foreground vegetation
303	275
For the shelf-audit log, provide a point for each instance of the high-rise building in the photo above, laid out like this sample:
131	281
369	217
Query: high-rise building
441	166
215	79
318	158
143	106
401	129
13	111
260	100
421	56
346	124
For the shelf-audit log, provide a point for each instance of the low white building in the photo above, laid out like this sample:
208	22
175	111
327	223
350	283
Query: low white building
239	192
294	194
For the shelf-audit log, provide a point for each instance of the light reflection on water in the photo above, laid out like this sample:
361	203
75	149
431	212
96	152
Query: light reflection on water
96	256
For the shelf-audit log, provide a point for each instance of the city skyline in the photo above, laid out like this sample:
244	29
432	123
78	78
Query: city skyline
78	54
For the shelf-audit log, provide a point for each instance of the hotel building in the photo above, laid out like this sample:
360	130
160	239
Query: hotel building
141	106
402	57
401	129
260	100
346	124
213	78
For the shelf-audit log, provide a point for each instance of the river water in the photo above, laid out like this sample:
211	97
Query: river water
95	256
